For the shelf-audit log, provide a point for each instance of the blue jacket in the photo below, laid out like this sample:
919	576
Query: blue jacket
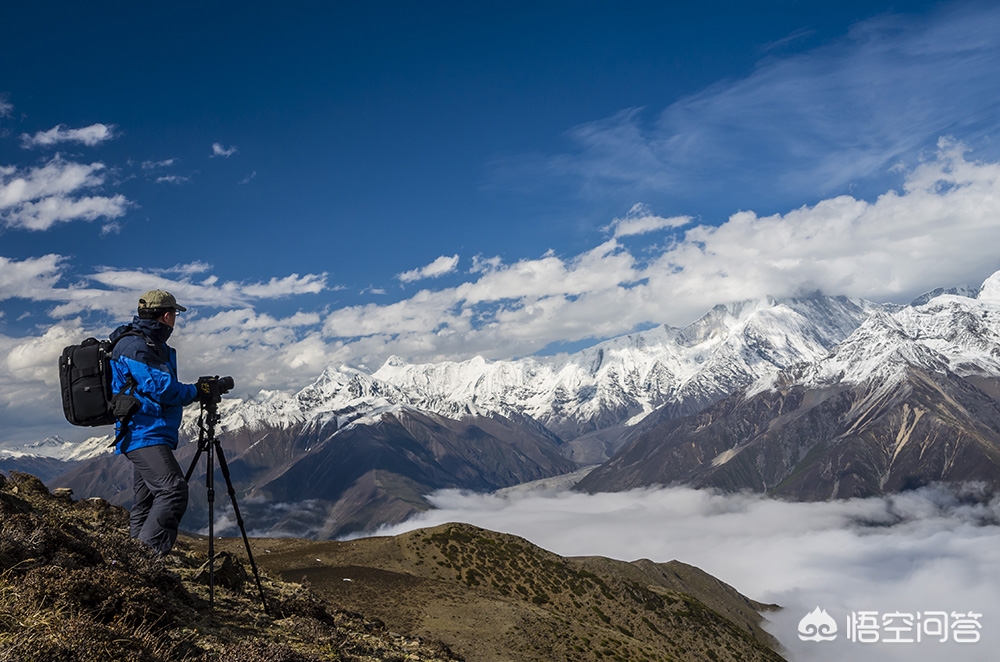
153	365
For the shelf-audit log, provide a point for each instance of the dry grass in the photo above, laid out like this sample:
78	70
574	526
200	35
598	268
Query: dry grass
494	597
74	587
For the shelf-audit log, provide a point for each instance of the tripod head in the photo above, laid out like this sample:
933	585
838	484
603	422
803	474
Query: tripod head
210	392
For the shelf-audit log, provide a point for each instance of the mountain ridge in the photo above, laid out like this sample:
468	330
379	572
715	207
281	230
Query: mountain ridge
909	398
611	385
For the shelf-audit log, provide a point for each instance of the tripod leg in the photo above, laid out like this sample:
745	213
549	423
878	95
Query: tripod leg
210	487
194	462
239	520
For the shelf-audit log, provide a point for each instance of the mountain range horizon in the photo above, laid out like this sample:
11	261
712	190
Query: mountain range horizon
807	398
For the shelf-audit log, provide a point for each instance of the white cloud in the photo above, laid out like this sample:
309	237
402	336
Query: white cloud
219	150
939	230
111	227
6	107
33	278
260	351
39	198
45	213
172	179
29	399
439	267
482	264
421	313
154	165
114	291
640	219
124	284
919	551
287	286
89	136
57	177
189	269
33	359
802	124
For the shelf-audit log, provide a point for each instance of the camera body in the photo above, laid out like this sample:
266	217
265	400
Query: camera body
211	389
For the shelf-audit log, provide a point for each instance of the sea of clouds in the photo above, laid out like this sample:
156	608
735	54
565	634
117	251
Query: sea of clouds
932	550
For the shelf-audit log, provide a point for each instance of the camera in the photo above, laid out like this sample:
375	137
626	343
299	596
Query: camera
211	389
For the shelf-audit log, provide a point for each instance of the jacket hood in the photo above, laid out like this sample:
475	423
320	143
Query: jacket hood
153	329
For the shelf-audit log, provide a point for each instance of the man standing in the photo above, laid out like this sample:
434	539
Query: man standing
145	367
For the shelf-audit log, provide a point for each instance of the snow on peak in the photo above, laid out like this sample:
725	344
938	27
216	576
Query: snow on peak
990	291
57	448
948	332
610	383
395	362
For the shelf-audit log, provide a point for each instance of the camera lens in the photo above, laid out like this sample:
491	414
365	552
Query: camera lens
226	384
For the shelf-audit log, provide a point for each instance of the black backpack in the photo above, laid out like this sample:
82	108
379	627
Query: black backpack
85	382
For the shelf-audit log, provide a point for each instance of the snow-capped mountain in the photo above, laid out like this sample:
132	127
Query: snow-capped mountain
910	397
612	384
948	332
57	448
51	456
369	446
619	381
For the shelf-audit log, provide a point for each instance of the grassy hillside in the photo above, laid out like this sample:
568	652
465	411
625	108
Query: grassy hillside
495	597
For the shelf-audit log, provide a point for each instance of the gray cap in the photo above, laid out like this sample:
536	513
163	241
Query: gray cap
159	299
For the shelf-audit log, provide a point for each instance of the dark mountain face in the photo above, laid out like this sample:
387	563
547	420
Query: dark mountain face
813	444
45	468
321	481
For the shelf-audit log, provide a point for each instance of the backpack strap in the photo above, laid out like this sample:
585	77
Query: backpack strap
124	404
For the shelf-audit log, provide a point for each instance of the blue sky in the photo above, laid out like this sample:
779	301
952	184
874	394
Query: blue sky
325	183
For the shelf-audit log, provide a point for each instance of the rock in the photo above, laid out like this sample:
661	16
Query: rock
229	572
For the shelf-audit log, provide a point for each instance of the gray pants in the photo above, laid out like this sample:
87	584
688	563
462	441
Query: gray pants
161	497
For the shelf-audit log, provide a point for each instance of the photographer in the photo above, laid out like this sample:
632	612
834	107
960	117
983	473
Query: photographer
144	374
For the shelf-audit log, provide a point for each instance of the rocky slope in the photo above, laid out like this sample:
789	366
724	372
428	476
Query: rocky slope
75	588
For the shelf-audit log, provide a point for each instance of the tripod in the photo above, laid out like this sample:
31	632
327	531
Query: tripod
209	444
